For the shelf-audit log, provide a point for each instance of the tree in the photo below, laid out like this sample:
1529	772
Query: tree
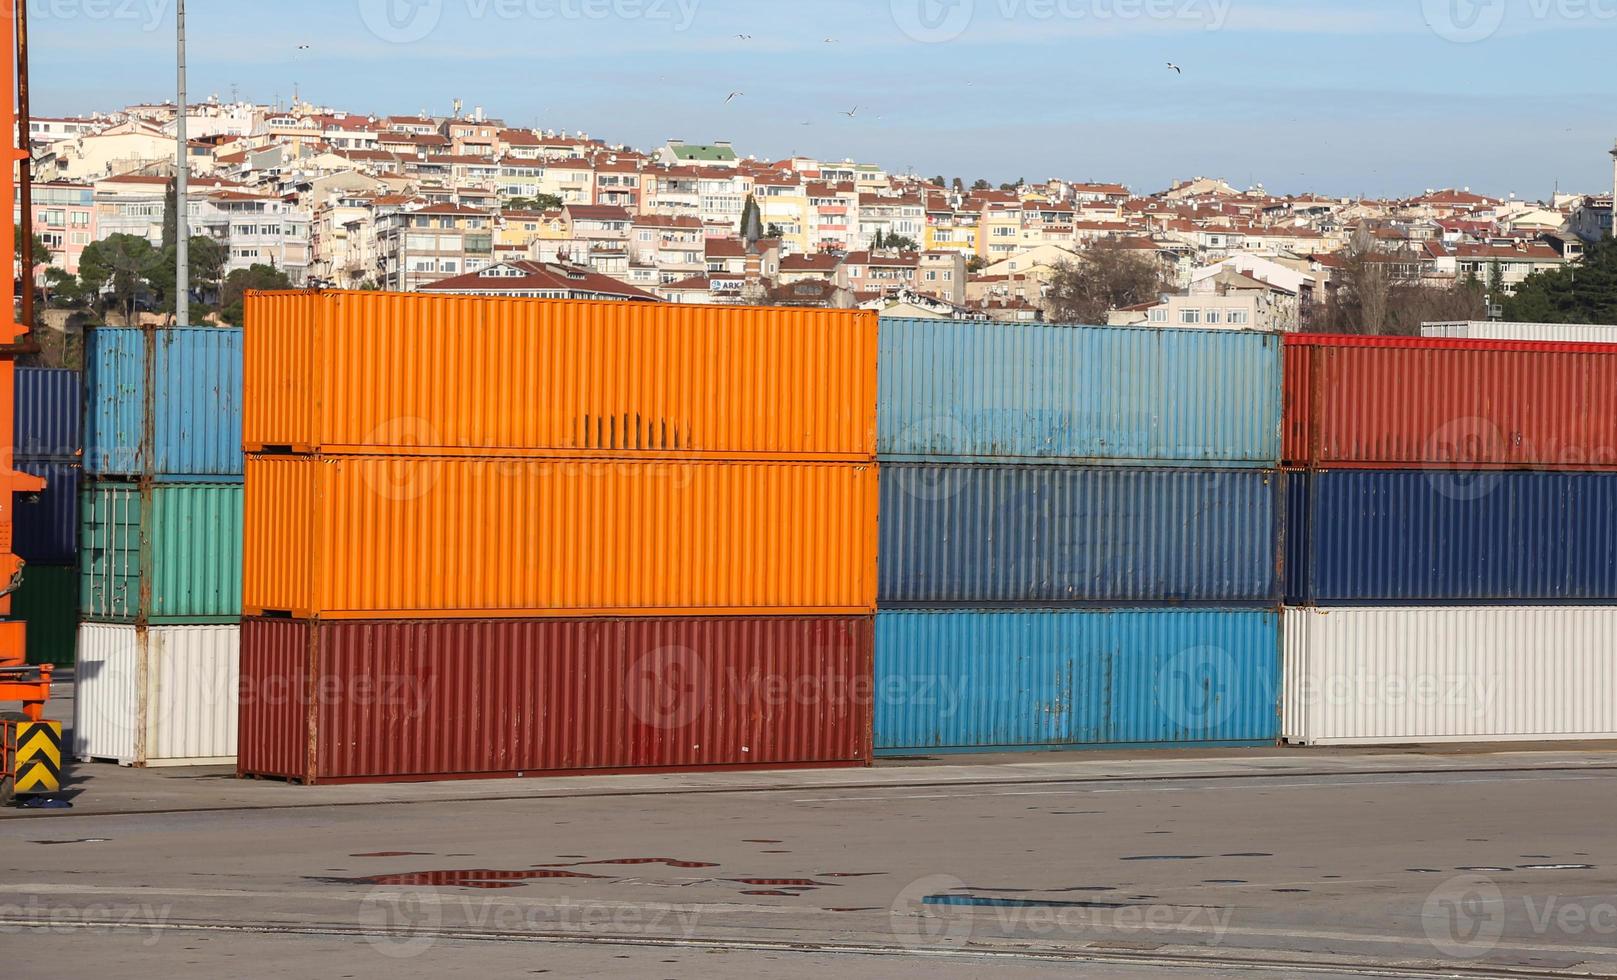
938	181
171	214
775	231
541	202
1104	277
42	251
976	264
234	292
125	266
1376	293
208	259
1581	292
896	242
981	185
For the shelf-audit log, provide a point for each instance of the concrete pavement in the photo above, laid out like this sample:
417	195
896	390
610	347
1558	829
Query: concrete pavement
1210	865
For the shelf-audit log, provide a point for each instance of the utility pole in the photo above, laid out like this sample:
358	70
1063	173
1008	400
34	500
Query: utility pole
182	190
25	169
1614	192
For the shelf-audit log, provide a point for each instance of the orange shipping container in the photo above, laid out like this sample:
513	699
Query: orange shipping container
366	372
411	537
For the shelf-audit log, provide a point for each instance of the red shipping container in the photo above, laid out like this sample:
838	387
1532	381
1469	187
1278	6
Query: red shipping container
369	701
1411	402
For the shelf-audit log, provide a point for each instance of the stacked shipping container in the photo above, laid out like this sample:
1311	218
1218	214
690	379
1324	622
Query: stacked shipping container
492	537
1452	539
1079	537
48	441
161	532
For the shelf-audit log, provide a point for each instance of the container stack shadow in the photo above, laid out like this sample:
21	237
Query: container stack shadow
498	537
1451	540
160	547
48	443
1079	537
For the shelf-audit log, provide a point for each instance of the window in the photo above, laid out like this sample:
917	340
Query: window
1214	316
1159	315
1190	316
81	238
80	219
932	275
1238	316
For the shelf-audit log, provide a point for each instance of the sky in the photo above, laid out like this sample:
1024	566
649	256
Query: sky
1339	97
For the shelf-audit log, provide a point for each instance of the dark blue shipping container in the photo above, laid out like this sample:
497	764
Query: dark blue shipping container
991	680
988	534
48	406
46	529
196	428
1430	537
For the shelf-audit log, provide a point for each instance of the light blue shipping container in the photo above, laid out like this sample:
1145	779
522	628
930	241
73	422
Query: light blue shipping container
197	385
955	390
987	534
995	680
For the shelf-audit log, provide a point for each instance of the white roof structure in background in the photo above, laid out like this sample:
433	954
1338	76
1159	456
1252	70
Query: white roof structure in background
1590	333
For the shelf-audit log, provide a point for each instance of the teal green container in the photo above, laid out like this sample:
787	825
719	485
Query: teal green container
181	541
49	603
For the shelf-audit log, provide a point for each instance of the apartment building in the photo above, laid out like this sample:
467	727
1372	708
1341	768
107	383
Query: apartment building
415	248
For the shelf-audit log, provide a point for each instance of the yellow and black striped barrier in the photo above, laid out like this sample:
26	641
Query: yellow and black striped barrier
38	757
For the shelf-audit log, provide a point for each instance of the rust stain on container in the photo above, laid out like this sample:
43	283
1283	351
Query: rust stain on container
413	538
1401	402
392	701
377	372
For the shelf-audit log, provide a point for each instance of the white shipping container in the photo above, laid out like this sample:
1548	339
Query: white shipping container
1578	333
1468	674
156	696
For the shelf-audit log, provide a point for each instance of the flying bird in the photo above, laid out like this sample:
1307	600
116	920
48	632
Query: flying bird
831	40
732	97
1176	68
852	112
744	37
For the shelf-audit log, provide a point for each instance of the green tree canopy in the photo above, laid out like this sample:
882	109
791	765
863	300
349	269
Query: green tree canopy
237	284
125	266
1581	292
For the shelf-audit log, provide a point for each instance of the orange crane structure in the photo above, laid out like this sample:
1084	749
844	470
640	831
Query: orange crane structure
30	746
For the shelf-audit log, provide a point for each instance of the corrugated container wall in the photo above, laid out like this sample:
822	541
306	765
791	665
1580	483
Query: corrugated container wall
1396	676
956	533
197	374
47	414
976	680
406	537
164	696
1576	333
1388	537
375	372
48	603
441	699
45	527
195	555
1391	402
953	390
